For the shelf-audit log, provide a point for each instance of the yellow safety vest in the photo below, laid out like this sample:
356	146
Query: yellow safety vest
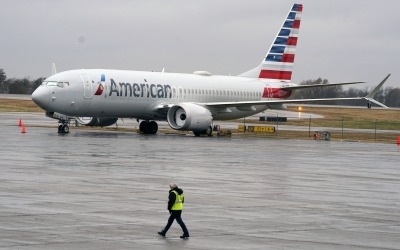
178	205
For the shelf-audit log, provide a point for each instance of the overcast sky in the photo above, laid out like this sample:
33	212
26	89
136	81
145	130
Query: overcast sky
340	40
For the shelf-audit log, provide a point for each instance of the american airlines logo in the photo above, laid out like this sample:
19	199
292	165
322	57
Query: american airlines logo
140	90
99	90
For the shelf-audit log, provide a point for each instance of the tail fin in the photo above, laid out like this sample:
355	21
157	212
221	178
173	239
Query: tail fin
278	63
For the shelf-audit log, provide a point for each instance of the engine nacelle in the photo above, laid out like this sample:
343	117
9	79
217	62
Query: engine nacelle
96	121
189	116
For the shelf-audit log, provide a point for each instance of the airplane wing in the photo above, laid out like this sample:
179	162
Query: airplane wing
369	98
295	87
244	104
162	109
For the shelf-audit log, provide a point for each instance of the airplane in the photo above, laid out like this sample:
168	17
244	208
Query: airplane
189	102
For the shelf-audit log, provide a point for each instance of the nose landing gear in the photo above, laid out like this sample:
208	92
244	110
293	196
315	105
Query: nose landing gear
63	127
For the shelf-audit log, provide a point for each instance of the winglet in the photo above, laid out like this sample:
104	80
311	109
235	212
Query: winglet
370	96
53	69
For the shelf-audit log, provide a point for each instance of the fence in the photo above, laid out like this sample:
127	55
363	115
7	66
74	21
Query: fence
345	128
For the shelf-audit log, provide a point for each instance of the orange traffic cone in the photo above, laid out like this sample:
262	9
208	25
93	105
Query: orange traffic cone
20	123
23	129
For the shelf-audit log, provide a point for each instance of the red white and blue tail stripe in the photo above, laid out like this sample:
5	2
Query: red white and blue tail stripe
278	63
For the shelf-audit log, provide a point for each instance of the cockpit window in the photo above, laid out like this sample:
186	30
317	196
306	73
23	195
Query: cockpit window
58	84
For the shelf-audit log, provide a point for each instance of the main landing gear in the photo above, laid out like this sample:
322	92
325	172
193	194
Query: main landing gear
207	132
148	127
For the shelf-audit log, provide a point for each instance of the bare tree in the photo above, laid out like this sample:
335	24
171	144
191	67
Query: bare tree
3	78
393	98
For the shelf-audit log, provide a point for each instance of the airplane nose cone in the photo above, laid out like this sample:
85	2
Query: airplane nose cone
41	96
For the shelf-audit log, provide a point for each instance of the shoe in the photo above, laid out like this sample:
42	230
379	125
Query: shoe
162	233
184	236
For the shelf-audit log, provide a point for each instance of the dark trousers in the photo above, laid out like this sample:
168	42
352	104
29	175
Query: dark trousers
176	215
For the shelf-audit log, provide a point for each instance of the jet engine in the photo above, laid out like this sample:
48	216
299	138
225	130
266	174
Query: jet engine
189	116
96	121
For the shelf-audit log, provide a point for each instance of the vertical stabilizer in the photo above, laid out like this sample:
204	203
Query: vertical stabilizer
278	63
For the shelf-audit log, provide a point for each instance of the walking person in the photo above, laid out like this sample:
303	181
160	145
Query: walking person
175	206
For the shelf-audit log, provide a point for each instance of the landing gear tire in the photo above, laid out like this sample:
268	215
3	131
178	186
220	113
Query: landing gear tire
153	127
208	131
63	129
142	127
147	127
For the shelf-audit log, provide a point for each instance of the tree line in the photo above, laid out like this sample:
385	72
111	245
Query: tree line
18	85
388	96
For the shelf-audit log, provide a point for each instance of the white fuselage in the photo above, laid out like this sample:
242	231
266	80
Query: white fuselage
138	94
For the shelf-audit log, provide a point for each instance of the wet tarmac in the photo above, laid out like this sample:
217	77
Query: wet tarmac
108	190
